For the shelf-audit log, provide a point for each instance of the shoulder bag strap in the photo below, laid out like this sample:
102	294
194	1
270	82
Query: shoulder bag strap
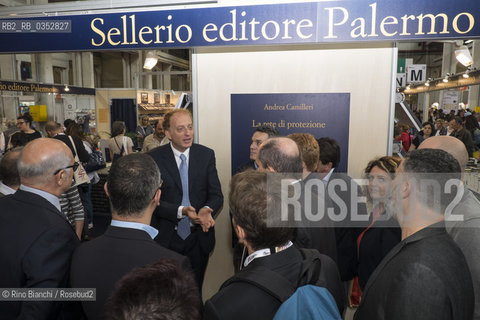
124	145
269	281
121	149
74	148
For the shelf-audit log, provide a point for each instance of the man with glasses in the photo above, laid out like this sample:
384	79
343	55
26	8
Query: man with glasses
36	241
133	187
191	193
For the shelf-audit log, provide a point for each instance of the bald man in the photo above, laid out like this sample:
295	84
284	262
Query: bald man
36	240
465	233
282	155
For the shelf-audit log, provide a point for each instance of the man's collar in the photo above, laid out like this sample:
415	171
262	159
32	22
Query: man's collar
5	190
53	199
152	232
327	177
178	153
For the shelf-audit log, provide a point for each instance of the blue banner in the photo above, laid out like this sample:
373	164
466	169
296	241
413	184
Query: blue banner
294	23
320	114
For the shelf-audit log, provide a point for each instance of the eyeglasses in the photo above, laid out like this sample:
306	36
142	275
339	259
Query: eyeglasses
74	166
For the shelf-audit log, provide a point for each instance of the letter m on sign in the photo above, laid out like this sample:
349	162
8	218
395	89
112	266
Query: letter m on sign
416	73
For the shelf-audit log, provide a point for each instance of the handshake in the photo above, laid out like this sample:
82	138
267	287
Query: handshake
203	217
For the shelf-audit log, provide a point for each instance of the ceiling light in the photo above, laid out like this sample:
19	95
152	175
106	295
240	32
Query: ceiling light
408	87
446	78
150	61
463	56
466	74
67	88
427	84
467	41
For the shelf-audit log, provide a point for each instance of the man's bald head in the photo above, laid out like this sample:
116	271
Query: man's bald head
281	155
449	144
40	159
52	128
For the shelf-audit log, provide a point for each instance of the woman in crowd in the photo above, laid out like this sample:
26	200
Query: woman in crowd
426	132
405	136
24	124
86	190
383	231
119	144
441	130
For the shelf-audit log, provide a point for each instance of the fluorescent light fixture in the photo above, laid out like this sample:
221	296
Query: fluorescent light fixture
150	61
463	56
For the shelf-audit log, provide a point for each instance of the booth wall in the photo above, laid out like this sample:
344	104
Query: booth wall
364	72
102	103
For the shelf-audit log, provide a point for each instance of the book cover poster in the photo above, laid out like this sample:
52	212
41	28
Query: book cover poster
320	114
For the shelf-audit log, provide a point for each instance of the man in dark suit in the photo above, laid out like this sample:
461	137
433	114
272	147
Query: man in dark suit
262	133
191	193
341	190
256	201
426	275
54	130
36	240
282	155
133	188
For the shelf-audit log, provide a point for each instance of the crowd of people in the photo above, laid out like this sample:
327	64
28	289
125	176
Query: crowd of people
463	125
297	223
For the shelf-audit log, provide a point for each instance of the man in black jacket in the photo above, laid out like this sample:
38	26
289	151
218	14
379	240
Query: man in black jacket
133	187
425	276
36	240
191	193
254	206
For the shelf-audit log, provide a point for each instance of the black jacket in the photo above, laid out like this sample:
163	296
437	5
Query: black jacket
376	243
242	300
425	277
82	152
100	263
36	245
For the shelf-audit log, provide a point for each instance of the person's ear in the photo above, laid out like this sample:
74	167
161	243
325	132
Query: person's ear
60	176
157	197
167	134
330	166
105	187
240	234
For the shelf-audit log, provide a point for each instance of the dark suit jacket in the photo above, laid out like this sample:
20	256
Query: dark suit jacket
203	187
347	230
100	263
376	243
245	166
82	152
242	300
36	245
424	277
319	234
466	137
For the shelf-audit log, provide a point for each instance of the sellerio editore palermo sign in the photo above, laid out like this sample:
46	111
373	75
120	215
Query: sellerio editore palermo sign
289	23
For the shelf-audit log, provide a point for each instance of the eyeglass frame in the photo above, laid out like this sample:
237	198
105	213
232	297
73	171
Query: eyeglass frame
74	166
